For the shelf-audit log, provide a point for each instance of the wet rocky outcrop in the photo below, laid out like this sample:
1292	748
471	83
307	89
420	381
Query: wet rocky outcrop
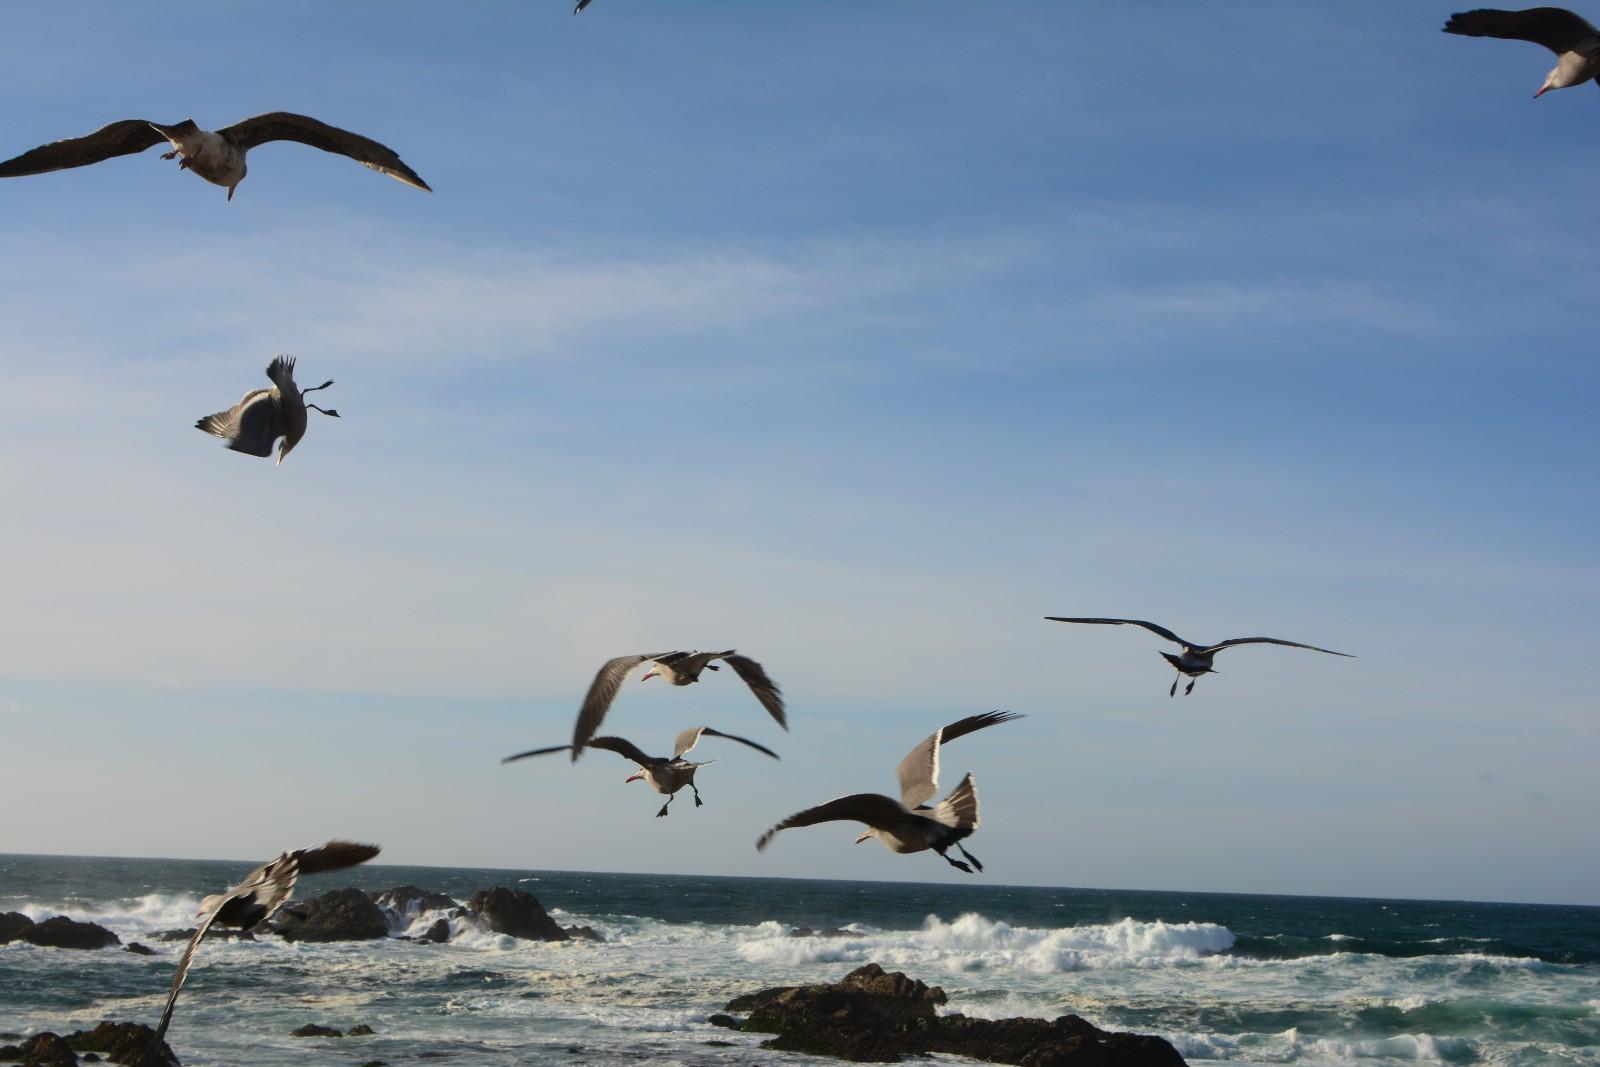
514	912
12	925
124	1043
340	915
62	932
408	900
313	1030
584	933
874	1016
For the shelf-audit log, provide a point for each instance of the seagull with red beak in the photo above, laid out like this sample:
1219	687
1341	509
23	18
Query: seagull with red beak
1574	41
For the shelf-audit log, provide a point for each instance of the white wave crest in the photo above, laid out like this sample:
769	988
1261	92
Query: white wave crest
1418	1047
975	943
132	915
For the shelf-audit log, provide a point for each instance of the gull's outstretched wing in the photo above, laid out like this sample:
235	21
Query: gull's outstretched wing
287	126
919	771
602	691
765	689
691	737
1556	28
874	809
1271	641
1152	627
118	139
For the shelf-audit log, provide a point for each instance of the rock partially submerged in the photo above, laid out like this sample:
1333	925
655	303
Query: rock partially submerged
409	901
341	915
874	1016
514	912
125	1043
62	932
12	925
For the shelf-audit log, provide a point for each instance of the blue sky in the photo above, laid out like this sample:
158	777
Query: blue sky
858	336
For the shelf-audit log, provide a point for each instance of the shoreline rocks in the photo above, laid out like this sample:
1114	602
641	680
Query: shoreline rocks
338	915
124	1043
57	932
874	1016
514	912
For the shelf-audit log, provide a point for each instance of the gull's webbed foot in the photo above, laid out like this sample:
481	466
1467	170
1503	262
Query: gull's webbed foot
170	155
662	814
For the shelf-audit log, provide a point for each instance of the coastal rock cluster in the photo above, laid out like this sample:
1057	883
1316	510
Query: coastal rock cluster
339	915
873	1016
127	1043
57	932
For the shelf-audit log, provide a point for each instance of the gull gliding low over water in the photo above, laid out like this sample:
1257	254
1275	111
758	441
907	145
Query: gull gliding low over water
1574	41
1196	659
253	901
908	824
677	668
263	415
218	156
665	776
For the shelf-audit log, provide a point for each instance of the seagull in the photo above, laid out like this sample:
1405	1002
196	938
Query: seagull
1196	659
251	902
908	824
665	776
263	415
678	668
1575	42
218	157
581	5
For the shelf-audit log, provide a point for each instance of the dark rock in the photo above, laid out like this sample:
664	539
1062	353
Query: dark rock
128	1043
313	1030
62	932
47	1050
409	900
342	915
12	924
138	949
876	1016
726	1021
359	1030
9	1053
584	933
438	933
374	1063
215	933
514	912
718	1044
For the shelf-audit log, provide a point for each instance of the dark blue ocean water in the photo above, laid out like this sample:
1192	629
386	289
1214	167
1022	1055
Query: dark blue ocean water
1247	979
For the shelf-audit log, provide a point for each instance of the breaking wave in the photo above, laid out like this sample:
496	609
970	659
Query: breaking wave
976	943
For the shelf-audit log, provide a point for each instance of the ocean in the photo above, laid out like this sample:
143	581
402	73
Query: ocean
1226	978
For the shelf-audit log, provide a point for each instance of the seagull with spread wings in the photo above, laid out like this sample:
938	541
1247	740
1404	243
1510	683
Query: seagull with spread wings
1195	659
665	776
218	156
677	668
909	824
253	901
1575	42
263	415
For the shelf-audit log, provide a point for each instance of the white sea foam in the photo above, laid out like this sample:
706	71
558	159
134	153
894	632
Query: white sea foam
1420	1047
137	915
975	943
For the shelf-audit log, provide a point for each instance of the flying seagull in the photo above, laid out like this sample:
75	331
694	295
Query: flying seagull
251	902
908	824
1575	42
581	5
678	668
1196	659
217	157
665	776
264	415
